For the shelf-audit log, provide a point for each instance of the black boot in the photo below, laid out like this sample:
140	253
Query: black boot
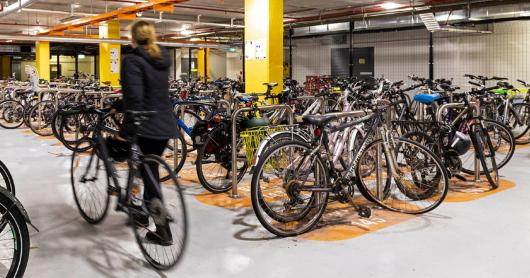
139	217
162	235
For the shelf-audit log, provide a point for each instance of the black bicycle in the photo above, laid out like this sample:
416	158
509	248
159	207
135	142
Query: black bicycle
95	177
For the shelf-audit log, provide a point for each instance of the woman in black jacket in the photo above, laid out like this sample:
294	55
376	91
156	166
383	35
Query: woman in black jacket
144	80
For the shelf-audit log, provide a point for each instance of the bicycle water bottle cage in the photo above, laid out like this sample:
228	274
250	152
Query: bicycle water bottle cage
426	98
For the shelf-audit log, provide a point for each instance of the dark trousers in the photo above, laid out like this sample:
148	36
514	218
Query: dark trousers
151	185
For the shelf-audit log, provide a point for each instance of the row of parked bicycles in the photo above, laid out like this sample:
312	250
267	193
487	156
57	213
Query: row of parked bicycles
397	146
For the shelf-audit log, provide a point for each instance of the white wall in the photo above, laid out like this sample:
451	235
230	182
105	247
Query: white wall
234	64
217	64
403	53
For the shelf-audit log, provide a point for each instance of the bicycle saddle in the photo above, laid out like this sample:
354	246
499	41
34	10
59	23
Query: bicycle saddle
272	85
319	120
426	98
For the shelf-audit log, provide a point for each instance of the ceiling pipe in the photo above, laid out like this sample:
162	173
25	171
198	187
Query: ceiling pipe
231	25
97	41
15	7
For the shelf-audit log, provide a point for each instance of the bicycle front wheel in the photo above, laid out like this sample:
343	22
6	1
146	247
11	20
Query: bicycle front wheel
503	143
281	193
412	181
486	153
519	119
170	211
90	183
14	239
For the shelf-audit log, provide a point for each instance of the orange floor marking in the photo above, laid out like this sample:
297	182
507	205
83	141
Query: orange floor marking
224	200
341	222
460	191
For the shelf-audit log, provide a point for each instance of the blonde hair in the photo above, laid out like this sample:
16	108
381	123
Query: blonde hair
143	33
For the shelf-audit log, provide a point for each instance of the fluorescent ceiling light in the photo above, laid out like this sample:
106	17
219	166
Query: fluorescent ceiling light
81	56
186	32
390	5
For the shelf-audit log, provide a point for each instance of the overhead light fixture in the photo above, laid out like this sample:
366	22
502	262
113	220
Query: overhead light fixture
9	41
390	5
186	32
194	39
81	56
76	5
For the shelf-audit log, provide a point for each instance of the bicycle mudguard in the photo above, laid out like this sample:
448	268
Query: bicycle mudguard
19	206
426	98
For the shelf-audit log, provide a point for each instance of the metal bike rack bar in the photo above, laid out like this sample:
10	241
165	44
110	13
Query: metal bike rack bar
234	137
108	96
476	112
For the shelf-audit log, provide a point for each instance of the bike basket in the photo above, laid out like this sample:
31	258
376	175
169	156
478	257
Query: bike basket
253	137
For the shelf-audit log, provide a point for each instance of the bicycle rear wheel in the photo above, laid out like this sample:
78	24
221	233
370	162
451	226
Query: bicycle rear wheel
11	114
172	211
214	162
419	186
186	120
41	116
174	155
90	183
280	193
14	239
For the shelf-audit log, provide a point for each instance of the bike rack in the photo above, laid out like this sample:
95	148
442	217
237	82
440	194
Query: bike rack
108	96
234	137
476	109
218	103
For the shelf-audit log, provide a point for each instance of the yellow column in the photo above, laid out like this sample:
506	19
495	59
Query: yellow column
109	54
203	63
42	59
263	44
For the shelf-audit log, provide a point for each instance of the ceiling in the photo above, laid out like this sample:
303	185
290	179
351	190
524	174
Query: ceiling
220	19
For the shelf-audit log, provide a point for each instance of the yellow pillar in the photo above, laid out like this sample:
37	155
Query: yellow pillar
263	44
109	54
42	59
203	63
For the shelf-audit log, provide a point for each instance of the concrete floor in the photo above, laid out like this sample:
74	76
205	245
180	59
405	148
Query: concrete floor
489	237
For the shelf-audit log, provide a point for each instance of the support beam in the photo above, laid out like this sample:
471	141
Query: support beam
263	44
189	64
351	63
291	31
431	56
109	54
203	63
42	59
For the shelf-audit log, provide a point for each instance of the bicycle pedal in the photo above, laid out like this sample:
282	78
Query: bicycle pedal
364	212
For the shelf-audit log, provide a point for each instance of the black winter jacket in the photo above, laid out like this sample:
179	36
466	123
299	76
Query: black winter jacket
144	83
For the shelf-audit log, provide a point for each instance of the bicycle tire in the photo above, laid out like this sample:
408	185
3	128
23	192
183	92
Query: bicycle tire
9	183
482	141
15	220
225	162
515	113
181	154
263	211
47	121
81	202
414	209
505	135
15	114
182	220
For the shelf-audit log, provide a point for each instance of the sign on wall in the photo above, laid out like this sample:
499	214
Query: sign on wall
255	50
114	60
